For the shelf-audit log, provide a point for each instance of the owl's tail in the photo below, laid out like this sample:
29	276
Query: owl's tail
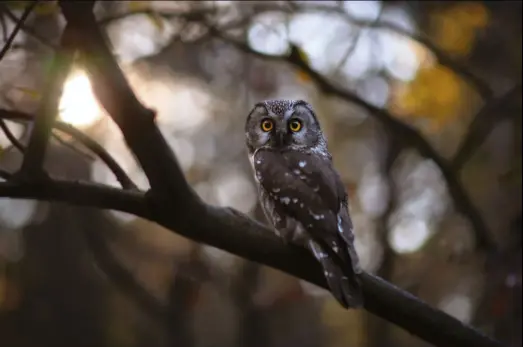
341	279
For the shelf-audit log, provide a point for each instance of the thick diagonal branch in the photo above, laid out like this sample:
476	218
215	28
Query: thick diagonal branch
115	95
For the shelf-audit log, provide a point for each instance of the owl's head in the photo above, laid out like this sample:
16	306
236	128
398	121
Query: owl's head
282	125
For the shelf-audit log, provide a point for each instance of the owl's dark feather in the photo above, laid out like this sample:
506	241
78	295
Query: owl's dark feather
306	189
344	288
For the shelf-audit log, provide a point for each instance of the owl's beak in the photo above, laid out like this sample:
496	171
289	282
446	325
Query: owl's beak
279	139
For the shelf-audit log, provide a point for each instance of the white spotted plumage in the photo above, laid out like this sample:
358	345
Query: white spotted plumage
301	193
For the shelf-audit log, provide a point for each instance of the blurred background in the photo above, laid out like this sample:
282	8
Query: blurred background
443	225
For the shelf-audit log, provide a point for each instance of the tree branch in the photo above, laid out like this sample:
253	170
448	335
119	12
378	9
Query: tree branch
18	26
173	204
77	193
10	136
3	25
119	173
70	145
444	59
482	88
116	96
481	125
27	29
32	165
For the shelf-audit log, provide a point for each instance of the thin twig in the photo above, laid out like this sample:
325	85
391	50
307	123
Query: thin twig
32	165
352	46
17	28
89	143
71	146
11	137
481	125
27	29
483	89
3	26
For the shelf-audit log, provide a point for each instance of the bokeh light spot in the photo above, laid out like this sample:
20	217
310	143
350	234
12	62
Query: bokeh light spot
78	105
408	235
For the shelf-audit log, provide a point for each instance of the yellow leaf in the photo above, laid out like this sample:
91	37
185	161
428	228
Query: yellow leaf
17	5
453	36
136	6
434	96
303	76
473	14
156	19
47	8
34	94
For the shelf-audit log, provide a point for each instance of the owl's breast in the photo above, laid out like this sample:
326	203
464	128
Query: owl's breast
271	211
284	225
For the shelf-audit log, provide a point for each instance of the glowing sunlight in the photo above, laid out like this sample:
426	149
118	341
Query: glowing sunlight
78	105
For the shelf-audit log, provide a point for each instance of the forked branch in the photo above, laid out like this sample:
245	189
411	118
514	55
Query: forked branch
90	144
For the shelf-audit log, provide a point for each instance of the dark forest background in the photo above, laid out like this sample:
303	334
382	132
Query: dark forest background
443	225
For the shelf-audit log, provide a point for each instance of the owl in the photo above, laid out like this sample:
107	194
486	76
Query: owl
301	193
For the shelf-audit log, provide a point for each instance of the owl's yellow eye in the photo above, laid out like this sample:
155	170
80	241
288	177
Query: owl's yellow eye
267	125
295	125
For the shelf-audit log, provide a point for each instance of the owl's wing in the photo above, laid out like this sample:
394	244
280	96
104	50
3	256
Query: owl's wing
308	189
305	191
322	176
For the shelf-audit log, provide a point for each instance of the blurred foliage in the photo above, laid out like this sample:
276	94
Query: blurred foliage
456	28
435	95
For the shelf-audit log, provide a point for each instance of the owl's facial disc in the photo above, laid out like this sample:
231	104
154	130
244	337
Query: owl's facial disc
303	129
281	125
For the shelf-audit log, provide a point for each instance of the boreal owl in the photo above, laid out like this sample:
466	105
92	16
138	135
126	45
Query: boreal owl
301	193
